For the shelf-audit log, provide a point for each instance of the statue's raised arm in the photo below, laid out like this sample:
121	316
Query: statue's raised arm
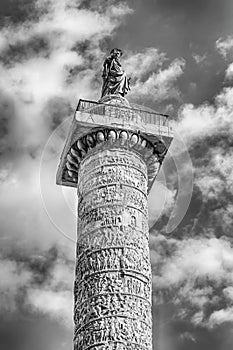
115	80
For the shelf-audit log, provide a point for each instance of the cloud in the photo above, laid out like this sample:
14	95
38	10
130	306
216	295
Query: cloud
211	186
138	65
196	123
55	304
207	131
54	298
225	46
199	59
14	277
216	177
39	283
159	85
229	72
64	24
190	273
187	336
196	259
221	316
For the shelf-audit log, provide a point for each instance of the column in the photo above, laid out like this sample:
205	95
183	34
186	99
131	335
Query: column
113	275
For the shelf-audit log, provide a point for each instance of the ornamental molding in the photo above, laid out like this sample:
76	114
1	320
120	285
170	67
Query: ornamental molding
109	138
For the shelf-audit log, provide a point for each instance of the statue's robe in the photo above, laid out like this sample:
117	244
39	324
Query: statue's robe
115	80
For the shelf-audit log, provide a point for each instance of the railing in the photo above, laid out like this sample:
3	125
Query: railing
128	113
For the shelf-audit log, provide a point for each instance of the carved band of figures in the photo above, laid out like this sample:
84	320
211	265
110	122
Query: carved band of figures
114	329
89	300
83	323
115	316
135	273
84	254
112	236
109	305
114	212
113	259
99	182
112	195
111	283
121	217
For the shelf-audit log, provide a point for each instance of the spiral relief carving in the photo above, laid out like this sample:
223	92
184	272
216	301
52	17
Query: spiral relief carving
113	274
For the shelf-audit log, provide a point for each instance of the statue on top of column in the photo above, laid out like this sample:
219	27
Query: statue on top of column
115	80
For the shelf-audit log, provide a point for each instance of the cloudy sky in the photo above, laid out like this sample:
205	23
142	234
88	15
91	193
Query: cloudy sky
179	54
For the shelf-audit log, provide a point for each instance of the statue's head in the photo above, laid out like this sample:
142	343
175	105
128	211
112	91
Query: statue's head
116	52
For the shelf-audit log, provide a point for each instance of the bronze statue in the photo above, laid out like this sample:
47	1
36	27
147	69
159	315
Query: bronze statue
115	80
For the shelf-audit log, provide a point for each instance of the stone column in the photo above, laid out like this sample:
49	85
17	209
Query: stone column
113	274
112	155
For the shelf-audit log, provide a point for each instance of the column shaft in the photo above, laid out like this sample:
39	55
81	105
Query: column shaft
113	274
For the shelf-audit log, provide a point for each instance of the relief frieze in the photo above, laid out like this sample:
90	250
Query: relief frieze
112	195
114	329
109	305
112	259
112	287
111	282
112	236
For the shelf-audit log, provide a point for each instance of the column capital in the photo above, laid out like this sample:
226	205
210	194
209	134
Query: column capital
114	123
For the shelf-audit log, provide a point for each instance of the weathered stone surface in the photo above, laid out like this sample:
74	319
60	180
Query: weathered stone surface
113	274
